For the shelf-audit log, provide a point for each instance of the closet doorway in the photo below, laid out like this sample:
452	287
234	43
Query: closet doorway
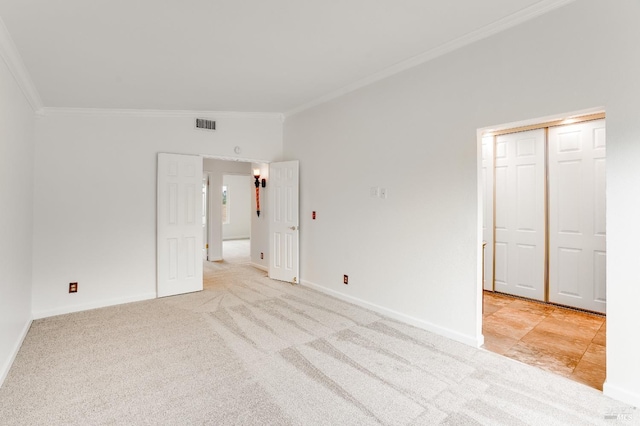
544	212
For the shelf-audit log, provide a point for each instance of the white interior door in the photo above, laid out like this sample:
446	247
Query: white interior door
487	209
577	233
179	222
520	214
283	221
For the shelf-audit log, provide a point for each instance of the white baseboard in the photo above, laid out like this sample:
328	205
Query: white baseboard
93	305
261	267
425	325
16	348
624	395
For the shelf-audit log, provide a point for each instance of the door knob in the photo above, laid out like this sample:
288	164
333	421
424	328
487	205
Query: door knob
293	228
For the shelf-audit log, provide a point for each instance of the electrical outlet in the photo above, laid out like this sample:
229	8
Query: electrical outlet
313	215
346	279
373	191
261	255
73	287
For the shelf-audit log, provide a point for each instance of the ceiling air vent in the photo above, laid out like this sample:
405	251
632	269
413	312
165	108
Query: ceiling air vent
204	124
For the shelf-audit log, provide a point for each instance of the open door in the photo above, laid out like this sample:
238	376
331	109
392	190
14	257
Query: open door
283	221
179	224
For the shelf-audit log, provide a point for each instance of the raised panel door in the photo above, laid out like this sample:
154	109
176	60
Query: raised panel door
577	233
520	214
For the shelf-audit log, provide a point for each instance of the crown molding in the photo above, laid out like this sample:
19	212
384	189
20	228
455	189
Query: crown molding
116	112
235	159
500	25
15	64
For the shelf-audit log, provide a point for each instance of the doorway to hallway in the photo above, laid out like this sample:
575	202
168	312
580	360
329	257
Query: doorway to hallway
236	216
231	210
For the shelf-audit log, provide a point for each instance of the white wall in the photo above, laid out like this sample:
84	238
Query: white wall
260	224
95	197
239	192
16	216
416	255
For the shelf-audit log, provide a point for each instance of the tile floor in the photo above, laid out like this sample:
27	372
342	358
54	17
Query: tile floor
556	339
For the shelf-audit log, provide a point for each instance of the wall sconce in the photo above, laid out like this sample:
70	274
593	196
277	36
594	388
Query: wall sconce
256	174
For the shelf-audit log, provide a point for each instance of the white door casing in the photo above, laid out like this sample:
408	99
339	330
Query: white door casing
577	232
179	224
487	209
520	214
205	216
284	221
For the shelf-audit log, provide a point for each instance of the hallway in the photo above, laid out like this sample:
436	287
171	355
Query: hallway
236	251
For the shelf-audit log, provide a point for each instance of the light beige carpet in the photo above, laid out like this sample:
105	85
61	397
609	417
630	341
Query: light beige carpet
251	351
236	251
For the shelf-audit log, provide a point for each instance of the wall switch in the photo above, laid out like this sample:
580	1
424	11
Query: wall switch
73	287
384	193
373	191
346	279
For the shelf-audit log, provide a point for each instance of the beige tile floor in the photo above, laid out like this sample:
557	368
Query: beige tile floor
553	338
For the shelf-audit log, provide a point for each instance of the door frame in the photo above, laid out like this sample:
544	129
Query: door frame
264	163
495	130
207	208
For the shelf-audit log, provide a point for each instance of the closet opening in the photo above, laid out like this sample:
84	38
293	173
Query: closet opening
544	276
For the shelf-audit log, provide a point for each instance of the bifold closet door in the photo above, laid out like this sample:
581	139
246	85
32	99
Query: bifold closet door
577	233
520	214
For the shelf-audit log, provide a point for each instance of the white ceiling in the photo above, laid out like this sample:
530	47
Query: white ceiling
235	55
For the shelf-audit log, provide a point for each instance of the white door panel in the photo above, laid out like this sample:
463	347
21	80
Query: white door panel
179	224
283	221
520	214
577	234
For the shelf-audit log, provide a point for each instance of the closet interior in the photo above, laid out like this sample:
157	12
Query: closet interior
544	212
